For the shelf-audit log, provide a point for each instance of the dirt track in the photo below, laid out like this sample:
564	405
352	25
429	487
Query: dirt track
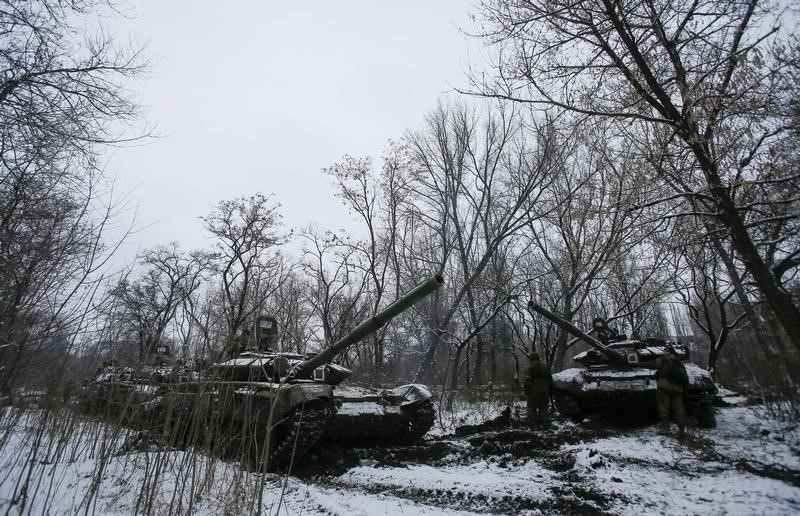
574	470
504	447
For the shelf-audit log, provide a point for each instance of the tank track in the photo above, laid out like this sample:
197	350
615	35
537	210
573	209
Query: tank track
702	408
420	419
568	406
303	428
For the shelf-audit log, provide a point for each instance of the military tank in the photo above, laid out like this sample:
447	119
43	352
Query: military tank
618	375
268	407
158	396
278	405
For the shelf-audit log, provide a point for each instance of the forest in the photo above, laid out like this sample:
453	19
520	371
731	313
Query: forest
635	161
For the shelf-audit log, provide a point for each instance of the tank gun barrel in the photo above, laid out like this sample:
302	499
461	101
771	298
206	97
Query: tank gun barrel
613	356
371	325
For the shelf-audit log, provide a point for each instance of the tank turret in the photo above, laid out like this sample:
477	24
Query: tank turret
613	356
369	326
261	362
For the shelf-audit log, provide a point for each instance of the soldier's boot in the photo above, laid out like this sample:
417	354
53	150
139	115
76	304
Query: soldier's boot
681	432
664	428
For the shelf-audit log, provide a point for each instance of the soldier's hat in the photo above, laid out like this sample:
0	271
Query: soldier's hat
533	355
669	349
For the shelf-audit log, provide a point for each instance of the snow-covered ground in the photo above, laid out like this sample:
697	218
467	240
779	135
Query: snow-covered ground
724	470
750	464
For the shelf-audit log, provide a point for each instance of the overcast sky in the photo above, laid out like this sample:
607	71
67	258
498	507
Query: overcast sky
260	96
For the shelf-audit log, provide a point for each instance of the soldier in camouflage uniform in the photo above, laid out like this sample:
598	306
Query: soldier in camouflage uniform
242	341
672	384
536	381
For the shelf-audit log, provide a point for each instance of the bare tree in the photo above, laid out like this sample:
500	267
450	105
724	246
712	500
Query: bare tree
709	79
290	305
707	292
377	198
589	225
208	326
477	181
148	304
358	187
62	100
338	284
247	233
637	284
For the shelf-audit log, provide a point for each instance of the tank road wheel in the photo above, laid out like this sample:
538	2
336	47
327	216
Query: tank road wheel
568	406
420	419
302	428
703	410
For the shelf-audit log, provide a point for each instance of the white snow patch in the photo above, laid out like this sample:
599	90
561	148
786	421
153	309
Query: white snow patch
366	407
464	413
75	465
655	474
488	479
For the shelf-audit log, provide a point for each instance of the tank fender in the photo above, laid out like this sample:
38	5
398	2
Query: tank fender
305	392
569	380
290	396
411	393
699	378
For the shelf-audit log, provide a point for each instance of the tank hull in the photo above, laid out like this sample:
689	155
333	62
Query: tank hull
265	424
367	415
582	391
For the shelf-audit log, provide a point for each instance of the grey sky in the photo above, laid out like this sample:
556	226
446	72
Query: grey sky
260	96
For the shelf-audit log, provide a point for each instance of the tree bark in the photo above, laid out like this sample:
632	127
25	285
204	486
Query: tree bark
776	297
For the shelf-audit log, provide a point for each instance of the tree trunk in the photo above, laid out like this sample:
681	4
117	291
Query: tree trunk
468	378
454	379
479	376
559	360
776	297
738	287
493	353
563	336
378	351
434	340
712	360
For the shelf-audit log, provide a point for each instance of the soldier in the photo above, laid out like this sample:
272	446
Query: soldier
242	341
536	382
672	384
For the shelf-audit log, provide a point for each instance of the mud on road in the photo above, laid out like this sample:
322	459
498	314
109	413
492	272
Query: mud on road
503	444
601	466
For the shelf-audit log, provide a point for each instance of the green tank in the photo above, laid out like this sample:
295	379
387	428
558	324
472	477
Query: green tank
159	395
271	407
618	375
281	404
